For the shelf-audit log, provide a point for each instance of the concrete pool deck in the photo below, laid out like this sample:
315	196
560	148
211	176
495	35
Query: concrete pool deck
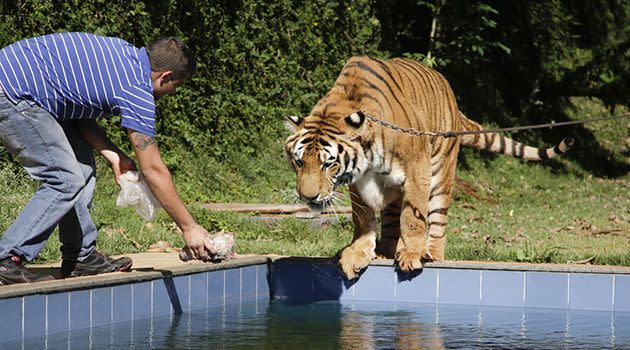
154	265
146	266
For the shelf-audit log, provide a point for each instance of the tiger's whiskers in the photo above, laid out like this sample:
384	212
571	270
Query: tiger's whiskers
290	196
336	201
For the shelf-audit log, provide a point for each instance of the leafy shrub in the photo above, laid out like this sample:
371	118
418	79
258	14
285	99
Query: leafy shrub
258	61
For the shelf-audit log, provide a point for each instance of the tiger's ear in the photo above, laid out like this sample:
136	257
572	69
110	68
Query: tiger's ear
356	120
293	123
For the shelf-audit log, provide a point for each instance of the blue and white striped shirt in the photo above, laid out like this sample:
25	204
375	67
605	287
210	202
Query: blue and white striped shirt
81	75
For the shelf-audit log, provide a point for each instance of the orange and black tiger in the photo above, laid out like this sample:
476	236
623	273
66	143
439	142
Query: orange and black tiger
406	179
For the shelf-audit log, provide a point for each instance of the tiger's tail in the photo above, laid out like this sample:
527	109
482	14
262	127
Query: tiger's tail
500	144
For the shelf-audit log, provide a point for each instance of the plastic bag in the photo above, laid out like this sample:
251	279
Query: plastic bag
135	192
221	241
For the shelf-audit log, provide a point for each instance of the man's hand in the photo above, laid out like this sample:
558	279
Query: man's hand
119	162
197	243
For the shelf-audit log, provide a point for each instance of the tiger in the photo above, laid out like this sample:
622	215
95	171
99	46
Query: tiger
406	179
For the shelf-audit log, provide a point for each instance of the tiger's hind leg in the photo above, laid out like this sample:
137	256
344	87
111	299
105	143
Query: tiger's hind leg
442	178
390	230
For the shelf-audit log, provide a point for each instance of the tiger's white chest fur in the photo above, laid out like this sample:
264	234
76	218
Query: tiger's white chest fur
378	187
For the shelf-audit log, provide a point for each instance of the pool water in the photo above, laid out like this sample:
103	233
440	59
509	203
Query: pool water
360	325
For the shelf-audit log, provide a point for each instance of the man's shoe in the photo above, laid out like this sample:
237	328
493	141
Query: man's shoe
95	263
12	271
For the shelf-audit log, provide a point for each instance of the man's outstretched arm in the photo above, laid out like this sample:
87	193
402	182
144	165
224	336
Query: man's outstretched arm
160	181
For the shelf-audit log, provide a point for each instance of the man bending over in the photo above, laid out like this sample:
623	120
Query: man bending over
52	90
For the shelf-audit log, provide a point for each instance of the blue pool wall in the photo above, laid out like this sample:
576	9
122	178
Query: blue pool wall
492	285
39	315
84	303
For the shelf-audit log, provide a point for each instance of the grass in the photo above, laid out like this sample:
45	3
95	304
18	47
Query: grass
529	214
503	210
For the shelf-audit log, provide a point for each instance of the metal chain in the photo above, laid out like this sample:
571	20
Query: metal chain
410	131
416	132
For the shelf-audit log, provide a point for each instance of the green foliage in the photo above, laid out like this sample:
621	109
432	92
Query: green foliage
518	63
16	189
469	35
257	62
509	63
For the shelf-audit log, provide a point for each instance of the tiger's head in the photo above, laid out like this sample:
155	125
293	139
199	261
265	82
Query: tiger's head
325	153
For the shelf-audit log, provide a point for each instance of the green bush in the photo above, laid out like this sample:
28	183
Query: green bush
260	61
257	61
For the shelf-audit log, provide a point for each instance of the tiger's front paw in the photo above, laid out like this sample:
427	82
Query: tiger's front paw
408	260
353	261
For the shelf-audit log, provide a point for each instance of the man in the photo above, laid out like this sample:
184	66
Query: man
52	90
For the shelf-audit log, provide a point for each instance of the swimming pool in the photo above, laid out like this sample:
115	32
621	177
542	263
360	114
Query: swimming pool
363	325
304	303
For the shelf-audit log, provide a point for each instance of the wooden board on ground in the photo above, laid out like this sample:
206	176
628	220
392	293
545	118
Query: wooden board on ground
275	209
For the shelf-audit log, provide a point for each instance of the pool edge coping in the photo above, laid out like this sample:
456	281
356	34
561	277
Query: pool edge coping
487	265
118	278
142	275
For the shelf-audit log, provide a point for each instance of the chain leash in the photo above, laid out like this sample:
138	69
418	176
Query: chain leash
416	132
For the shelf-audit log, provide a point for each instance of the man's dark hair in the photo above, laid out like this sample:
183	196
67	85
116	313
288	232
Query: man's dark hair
171	54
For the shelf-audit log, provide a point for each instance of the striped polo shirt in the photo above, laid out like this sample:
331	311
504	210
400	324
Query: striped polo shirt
81	76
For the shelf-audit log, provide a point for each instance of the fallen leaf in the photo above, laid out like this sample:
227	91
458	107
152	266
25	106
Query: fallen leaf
161	245
512	239
614	219
468	206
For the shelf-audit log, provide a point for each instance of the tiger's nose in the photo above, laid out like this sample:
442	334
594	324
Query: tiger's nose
310	198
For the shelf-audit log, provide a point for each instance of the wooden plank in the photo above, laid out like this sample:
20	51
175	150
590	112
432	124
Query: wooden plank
272	209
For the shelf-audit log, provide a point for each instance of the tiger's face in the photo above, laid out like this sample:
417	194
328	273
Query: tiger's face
325	153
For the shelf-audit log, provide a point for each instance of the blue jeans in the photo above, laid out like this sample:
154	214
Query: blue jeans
55	154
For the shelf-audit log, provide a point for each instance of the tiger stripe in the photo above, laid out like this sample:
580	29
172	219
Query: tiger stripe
500	144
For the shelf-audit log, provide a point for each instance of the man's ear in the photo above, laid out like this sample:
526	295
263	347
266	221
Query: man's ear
293	123
165	77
